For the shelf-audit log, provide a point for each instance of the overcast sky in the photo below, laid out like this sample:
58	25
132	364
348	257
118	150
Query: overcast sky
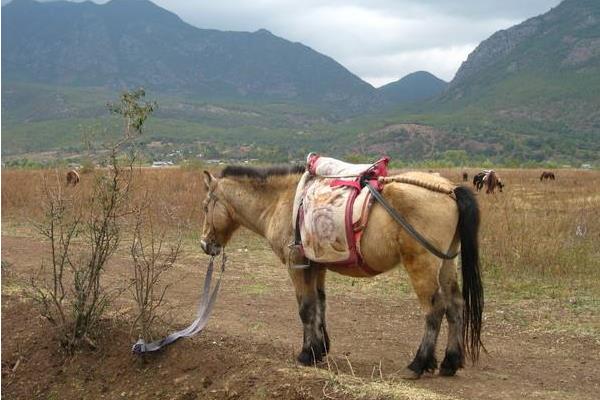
378	40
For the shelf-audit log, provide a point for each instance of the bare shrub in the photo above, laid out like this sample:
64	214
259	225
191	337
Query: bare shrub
152	257
60	226
73	298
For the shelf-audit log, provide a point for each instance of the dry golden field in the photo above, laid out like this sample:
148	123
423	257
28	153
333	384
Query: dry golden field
540	247
549	230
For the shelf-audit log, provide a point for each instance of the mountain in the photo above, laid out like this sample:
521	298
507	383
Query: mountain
420	85
565	39
132	43
544	71
530	93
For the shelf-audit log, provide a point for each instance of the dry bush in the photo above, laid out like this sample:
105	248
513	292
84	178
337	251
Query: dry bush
72	295
152	257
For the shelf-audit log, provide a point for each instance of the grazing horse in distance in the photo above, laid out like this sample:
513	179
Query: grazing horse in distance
465	176
478	180
72	178
547	175
489	179
492	182
261	200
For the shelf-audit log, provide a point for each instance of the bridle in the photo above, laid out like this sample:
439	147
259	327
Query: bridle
210	209
212	199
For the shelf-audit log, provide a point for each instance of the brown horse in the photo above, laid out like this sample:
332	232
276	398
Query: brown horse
492	181
262	201
72	178
489	179
547	175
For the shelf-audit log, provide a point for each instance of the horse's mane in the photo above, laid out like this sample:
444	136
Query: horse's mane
239	171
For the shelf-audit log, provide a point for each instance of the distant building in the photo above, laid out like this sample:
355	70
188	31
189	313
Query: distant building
586	166
160	164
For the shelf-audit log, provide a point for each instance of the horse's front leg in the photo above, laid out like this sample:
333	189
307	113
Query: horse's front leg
310	293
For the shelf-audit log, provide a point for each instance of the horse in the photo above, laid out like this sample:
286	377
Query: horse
261	200
478	180
72	178
488	178
547	175
465	176
492	181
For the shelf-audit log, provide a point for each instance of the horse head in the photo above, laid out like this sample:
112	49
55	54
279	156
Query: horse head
219	224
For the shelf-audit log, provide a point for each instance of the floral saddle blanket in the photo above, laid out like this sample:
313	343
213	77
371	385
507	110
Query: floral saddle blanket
331	209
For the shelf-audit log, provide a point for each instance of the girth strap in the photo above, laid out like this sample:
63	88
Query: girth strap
407	226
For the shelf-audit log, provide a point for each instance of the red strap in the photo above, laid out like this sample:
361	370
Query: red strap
341	182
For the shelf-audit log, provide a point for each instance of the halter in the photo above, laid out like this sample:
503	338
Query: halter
211	199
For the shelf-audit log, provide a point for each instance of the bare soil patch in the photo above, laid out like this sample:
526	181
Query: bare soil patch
535	348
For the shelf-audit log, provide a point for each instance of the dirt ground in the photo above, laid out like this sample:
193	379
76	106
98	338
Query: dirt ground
249	347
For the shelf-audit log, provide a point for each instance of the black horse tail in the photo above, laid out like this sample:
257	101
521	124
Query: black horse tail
472	288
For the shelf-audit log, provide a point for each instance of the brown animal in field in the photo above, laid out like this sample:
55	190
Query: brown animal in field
465	176
547	175
261	200
489	179
478	180
492	182
72	178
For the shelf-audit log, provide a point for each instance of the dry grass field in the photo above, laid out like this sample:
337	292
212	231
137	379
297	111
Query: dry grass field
540	245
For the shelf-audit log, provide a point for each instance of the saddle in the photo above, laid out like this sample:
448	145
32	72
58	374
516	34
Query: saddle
331	210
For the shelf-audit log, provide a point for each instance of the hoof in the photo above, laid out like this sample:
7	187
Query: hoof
452	362
307	358
447	371
409	374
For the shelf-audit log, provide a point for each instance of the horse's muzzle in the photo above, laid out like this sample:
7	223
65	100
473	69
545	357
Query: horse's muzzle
212	249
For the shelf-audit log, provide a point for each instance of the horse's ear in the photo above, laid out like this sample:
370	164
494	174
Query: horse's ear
209	180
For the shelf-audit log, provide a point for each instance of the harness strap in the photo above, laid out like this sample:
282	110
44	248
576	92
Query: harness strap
407	226
204	309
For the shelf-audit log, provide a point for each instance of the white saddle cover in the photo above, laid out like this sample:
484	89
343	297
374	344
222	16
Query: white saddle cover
330	213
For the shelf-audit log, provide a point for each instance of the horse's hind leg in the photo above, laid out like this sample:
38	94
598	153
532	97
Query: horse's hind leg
423	272
312	312
455	356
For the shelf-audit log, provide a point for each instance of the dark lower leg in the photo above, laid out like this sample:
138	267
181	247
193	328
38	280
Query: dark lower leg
425	358
311	302
455	356
322	309
315	343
